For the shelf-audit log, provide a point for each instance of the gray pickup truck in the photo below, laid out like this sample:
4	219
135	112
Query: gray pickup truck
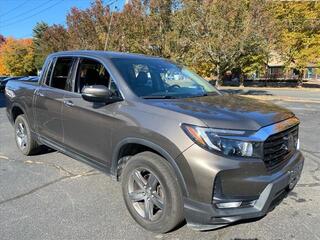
181	149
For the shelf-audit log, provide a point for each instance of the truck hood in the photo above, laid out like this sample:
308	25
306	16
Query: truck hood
227	111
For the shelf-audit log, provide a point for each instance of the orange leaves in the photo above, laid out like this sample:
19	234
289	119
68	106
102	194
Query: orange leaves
17	57
3	70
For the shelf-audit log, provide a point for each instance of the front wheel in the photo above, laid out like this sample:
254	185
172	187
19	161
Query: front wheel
151	192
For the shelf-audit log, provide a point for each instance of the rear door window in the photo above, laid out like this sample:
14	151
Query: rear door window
61	76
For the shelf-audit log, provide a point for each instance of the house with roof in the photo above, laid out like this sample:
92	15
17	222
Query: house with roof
275	68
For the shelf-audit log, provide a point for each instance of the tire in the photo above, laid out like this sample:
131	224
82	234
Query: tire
149	182
24	139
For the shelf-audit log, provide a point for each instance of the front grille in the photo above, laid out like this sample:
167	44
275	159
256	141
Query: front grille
280	147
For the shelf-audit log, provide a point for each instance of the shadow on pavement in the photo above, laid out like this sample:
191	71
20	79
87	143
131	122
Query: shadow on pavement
246	92
244	221
43	150
311	85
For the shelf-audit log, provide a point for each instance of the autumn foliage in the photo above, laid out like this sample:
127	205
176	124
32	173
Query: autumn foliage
17	57
210	36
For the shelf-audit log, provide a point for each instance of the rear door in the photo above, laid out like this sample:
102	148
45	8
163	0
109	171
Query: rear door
88	126
49	98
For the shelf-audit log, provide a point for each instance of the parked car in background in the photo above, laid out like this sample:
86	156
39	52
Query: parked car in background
29	78
4	81
181	149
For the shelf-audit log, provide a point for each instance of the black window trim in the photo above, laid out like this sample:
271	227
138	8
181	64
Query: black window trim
98	60
51	63
44	71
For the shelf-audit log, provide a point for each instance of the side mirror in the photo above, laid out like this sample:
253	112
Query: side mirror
96	93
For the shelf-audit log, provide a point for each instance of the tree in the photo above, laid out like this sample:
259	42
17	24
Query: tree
54	39
48	39
38	37
211	36
18	57
2	39
299	41
129	30
224	34
159	26
3	69
87	28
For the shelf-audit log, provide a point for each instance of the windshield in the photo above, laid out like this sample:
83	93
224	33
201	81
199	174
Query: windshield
159	78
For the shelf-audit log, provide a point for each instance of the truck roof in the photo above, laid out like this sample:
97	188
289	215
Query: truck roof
104	54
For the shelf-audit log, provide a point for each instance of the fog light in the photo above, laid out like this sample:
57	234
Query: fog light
229	205
249	203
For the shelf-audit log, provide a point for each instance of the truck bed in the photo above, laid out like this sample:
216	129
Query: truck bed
23	96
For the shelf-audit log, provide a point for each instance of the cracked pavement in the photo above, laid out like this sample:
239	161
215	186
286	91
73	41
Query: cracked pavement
51	196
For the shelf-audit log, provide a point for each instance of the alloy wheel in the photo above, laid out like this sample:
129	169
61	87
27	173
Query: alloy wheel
146	194
21	135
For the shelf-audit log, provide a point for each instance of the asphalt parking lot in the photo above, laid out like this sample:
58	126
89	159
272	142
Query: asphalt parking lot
51	196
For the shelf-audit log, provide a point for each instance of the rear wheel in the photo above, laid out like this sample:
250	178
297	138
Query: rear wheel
151	192
24	140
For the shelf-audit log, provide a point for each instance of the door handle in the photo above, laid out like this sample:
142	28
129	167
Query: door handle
68	103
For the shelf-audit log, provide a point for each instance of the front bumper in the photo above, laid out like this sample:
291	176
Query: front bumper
267	188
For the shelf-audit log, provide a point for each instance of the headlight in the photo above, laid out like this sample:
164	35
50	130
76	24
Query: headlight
220	140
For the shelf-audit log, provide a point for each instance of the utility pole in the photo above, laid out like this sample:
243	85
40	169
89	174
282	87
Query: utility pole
109	27
107	37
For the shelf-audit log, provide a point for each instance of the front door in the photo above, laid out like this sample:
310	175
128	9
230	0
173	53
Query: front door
88	126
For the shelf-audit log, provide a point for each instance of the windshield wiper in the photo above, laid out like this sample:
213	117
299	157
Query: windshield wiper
159	97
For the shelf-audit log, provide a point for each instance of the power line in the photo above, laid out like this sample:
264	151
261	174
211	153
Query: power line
19	6
27	12
37	13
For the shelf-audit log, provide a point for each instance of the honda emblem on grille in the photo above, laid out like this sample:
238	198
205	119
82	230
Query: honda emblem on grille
289	143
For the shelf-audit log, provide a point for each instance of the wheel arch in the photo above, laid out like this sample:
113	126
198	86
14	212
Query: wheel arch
17	110
151	147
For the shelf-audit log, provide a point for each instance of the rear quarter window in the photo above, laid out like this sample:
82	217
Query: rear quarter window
48	73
